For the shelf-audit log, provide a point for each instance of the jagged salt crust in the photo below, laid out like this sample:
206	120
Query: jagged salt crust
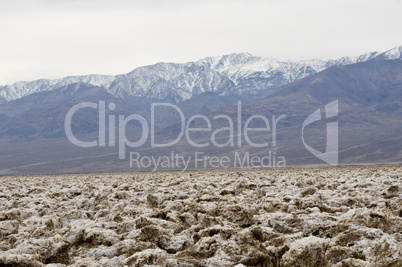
295	217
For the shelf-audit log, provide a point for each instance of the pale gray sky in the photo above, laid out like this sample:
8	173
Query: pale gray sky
57	38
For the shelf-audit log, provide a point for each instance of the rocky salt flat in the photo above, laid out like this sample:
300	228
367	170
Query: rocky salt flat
349	216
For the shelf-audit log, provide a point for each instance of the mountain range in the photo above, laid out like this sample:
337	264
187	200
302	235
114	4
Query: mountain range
368	89
239	74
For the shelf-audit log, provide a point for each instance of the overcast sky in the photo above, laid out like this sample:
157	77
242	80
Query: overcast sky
58	38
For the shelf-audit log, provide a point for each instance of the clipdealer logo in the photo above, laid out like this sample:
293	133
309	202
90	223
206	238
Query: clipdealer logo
331	149
234	140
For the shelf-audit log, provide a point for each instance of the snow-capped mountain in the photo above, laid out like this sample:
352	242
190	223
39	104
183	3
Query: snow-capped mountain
21	89
240	74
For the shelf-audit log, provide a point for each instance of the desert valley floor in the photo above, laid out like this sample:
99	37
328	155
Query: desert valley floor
345	216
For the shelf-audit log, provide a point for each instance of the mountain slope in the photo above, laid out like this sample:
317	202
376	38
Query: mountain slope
42	114
240	74
369	97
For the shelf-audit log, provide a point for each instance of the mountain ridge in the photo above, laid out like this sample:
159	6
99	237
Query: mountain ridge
237	73
369	95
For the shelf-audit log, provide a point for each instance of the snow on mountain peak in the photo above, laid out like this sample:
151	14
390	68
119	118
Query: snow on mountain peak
394	53
233	73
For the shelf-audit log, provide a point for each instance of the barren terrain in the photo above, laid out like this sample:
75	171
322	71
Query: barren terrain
349	216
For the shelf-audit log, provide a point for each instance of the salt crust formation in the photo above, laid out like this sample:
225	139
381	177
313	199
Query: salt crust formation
349	216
